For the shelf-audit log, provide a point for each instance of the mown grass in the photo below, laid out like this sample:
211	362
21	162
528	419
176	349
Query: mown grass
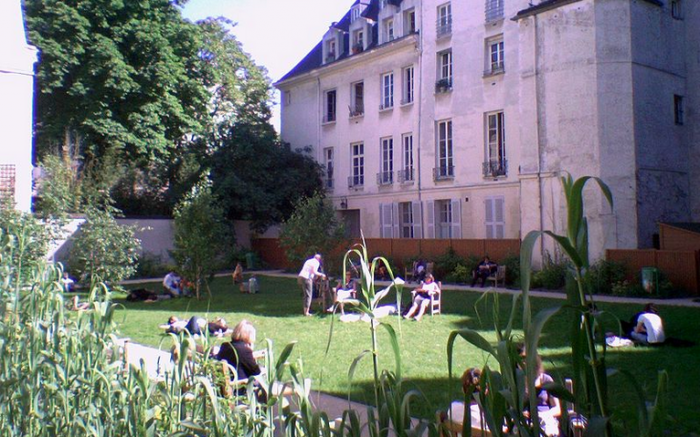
276	312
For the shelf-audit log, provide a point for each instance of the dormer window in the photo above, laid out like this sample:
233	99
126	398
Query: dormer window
358	39
354	14
388	29
331	50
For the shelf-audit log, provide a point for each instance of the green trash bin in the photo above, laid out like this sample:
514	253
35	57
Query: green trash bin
650	279
249	260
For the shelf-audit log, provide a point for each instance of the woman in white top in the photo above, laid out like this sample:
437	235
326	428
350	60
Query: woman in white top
421	297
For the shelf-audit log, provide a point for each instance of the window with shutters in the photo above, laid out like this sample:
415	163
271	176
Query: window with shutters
444	218
406	216
443	211
495	217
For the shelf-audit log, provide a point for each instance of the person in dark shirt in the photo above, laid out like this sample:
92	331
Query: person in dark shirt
483	270
239	351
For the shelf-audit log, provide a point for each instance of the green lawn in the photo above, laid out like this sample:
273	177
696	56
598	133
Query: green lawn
276	312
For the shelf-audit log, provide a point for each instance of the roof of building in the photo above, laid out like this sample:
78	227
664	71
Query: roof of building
541	7
314	58
692	227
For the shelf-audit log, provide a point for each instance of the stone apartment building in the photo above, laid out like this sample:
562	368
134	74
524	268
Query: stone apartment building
439	119
17	60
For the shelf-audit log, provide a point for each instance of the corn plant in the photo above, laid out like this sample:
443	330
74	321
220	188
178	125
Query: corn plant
391	410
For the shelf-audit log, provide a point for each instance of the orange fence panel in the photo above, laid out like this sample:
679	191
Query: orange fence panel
497	250
680	267
467	248
404	249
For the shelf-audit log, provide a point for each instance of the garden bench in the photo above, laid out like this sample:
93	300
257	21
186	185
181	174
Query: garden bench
498	276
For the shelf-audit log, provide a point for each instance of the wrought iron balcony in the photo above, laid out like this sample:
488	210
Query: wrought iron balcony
443	85
443	172
385	178
357	111
495	168
357	181
444	26
405	176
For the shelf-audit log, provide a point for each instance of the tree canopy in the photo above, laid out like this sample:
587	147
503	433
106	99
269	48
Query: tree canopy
144	102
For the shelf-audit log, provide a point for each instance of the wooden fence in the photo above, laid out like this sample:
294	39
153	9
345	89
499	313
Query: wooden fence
681	267
399	250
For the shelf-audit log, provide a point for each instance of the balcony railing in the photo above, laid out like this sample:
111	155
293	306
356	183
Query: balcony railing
443	172
443	85
495	168
357	181
357	111
494	10
444	26
405	176
496	68
385	178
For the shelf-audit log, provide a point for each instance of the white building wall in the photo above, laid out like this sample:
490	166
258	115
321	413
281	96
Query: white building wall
17	60
587	88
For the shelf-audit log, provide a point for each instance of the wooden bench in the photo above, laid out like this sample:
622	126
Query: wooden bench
498	276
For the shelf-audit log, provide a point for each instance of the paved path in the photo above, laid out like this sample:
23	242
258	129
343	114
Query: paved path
684	302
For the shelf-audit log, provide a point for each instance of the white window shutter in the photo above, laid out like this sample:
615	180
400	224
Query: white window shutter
385	220
490	231
431	218
395	219
499	217
456	231
417	220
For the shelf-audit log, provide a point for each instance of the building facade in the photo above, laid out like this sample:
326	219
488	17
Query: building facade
438	119
17	60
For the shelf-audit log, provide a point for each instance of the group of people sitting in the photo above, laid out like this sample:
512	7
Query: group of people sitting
176	286
548	406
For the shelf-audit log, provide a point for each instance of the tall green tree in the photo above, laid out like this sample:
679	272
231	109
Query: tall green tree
312	228
201	236
115	78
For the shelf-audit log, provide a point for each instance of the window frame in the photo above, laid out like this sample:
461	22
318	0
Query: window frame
328	167
445	64
445	149
408	85
330	109
407	158
387	91
495	56
443	222
357	164
409	22
386	161
443	22
496	154
406	220
357	100
389	30
676	7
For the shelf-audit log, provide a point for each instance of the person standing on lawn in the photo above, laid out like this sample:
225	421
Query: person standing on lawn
308	273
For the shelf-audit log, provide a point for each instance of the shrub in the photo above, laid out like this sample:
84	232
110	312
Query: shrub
512	265
152	266
26	240
602	275
461	275
446	264
552	276
104	251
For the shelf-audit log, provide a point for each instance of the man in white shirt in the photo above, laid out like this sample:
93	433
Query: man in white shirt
649	329
171	283
306	280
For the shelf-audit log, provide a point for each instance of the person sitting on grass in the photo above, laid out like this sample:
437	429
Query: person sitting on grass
171	284
548	406
649	328
421	297
458	409
483	270
67	283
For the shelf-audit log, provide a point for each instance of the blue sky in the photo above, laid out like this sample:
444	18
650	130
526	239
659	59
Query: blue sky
276	33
